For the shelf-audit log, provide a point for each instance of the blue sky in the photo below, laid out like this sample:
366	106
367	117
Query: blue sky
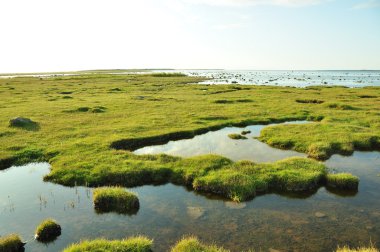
54	35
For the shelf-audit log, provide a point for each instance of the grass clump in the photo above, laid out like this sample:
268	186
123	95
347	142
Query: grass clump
133	244
11	243
342	181
117	199
48	230
236	136
192	244
340	106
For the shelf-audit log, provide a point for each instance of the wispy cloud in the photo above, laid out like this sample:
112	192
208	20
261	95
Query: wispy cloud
291	3
227	26
368	4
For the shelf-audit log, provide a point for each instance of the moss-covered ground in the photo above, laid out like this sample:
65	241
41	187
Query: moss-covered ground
88	123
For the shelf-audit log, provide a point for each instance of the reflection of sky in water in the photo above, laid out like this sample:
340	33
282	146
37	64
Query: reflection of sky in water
288	78
169	212
218	142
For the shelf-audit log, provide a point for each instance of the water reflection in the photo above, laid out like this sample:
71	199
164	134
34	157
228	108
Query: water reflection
168	212
218	142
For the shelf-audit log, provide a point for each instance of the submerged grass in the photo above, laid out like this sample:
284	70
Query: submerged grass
117	199
78	144
133	244
11	243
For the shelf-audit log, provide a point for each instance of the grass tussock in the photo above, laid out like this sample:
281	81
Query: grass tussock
236	136
11	243
133	244
342	181
48	230
117	199
192	244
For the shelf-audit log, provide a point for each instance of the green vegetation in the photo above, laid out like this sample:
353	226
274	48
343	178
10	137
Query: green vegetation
94	148
11	243
192	244
115	199
362	249
168	74
133	244
245	132
342	181
48	230
236	136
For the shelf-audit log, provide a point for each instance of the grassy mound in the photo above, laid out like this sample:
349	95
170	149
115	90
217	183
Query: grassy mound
11	243
192	244
133	244
342	181
117	199
236	136
48	230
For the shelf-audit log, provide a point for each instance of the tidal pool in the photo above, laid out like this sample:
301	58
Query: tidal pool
316	222
218	142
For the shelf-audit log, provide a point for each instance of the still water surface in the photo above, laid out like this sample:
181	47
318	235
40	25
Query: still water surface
167	212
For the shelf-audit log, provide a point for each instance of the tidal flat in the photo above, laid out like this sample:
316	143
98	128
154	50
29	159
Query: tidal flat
94	146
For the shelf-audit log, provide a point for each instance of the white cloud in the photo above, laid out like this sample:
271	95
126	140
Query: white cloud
368	4
254	2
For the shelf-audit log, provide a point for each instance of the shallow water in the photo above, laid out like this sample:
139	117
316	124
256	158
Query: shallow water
168	212
218	142
288	78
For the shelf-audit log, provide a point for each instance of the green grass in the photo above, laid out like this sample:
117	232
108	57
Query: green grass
371	248
133	244
94	148
115	199
48	230
342	181
11	243
192	244
236	136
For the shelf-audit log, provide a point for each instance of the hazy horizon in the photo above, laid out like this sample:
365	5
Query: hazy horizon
298	35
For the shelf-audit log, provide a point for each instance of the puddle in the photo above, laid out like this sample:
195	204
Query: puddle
168	212
218	142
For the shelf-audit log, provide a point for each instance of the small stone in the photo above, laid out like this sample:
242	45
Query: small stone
195	212
320	215
235	205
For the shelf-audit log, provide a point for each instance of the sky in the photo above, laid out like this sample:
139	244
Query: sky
65	35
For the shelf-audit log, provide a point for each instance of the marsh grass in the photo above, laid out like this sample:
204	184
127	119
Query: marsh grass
313	101
237	136
94	148
115	199
11	243
371	248
168	75
133	244
342	181
192	244
48	230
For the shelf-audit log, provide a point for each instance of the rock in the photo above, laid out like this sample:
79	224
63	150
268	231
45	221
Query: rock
195	212
235	205
320	215
22	122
